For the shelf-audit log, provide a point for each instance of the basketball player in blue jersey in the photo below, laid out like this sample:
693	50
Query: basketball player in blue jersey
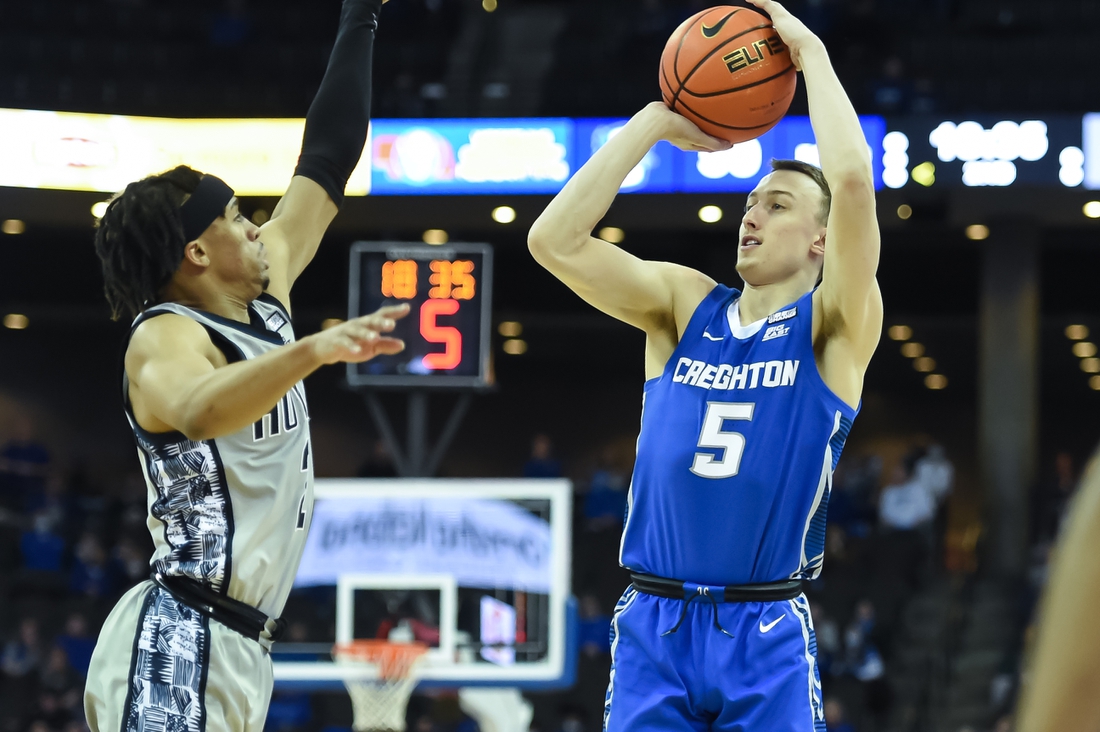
748	400
212	389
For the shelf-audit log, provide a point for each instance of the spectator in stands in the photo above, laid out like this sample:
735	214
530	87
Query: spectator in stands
58	677
836	546
23	653
77	643
573	718
605	502
863	659
864	662
835	717
130	563
595	628
24	464
52	501
91	575
1054	497
40	548
542	463
935	472
829	651
850	505
906	504
51	710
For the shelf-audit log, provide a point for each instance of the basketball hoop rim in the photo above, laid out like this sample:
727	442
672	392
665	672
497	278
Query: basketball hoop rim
394	660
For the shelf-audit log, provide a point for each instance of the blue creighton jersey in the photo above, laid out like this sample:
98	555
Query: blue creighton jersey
738	444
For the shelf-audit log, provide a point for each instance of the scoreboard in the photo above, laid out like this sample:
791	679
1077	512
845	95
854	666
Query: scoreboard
448	329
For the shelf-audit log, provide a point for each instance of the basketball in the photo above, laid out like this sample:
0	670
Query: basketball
727	70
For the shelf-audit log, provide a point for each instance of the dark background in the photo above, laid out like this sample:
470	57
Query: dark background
579	381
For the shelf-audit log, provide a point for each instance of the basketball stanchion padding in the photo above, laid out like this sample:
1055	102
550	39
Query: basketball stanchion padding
380	703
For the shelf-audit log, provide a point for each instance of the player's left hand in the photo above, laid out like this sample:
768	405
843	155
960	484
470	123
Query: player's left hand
792	30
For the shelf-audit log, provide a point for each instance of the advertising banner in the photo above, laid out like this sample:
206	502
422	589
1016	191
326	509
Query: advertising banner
484	543
99	152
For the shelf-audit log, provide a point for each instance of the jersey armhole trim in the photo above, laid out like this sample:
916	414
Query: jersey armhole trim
157	438
845	408
695	327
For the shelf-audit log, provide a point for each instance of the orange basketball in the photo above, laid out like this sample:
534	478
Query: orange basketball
727	70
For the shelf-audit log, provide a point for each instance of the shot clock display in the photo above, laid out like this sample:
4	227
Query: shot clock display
447	332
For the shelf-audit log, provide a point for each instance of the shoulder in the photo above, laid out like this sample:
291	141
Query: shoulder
165	333
689	287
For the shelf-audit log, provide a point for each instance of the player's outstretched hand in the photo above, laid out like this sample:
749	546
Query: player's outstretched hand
682	132
361	339
792	30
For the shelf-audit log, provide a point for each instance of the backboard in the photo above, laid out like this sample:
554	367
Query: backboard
477	569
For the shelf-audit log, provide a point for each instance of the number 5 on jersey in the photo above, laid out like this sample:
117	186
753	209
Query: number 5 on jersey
713	437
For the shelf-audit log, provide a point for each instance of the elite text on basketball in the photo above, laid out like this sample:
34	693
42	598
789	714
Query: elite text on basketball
753	53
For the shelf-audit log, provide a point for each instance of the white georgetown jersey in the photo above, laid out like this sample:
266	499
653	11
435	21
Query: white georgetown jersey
233	512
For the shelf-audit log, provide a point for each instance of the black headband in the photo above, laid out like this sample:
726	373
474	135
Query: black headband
205	205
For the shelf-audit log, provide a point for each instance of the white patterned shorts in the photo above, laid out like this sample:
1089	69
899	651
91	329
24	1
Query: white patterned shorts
160	666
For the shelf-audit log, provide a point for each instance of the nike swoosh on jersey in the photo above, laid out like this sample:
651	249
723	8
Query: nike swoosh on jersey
709	337
772	624
712	31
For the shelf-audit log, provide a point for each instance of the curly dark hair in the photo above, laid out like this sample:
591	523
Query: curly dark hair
140	239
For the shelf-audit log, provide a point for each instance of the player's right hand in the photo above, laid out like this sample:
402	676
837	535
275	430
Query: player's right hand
682	132
361	339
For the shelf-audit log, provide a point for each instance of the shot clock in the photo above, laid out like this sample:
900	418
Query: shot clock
447	331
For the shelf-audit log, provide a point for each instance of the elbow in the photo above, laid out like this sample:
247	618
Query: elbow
540	241
854	182
536	241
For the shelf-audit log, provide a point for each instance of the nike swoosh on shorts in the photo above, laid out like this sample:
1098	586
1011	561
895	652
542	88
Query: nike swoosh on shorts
772	624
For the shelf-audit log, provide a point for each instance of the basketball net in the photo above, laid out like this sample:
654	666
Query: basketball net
380	703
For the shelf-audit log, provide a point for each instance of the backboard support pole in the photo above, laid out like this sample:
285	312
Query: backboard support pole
418	459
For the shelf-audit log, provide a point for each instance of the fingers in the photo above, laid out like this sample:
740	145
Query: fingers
389	346
380	346
714	144
768	6
393	311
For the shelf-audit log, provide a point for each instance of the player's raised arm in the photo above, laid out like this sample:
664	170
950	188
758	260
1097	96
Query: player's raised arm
335	133
176	383
851	303
635	291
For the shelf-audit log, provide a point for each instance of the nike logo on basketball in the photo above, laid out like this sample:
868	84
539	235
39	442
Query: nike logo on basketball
709	337
712	31
772	624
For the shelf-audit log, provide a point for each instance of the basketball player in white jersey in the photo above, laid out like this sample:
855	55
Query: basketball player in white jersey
212	388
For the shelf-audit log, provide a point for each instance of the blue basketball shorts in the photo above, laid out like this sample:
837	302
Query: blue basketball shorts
757	672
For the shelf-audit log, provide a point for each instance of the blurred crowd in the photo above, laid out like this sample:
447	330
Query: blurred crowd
69	548
451	58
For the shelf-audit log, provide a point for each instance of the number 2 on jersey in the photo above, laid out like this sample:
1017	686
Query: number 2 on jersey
713	437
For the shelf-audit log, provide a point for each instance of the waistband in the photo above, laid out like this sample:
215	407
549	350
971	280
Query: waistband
234	614
680	590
